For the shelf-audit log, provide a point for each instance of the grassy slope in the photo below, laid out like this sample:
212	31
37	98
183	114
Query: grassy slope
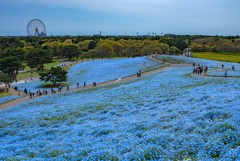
26	74
4	94
234	57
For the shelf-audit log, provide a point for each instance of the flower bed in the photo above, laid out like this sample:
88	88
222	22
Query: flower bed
8	98
221	73
100	71
166	116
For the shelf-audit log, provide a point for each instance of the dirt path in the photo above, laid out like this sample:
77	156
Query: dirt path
25	98
215	76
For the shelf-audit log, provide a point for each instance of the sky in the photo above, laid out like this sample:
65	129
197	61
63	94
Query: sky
122	17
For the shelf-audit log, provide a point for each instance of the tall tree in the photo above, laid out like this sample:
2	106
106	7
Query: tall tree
174	50
54	75
105	50
84	45
54	48
5	79
92	45
37	57
11	62
70	51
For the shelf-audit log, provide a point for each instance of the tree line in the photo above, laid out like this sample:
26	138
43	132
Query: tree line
18	52
216	44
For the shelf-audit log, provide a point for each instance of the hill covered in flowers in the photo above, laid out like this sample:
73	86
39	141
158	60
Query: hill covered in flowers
171	115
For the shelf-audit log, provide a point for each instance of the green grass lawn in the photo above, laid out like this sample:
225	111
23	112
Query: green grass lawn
26	75
233	57
4	94
28	71
46	66
53	64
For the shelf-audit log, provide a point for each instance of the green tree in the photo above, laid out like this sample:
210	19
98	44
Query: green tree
54	48
118	47
70	51
225	47
54	75
105	50
92	45
37	57
132	48
11	62
10	42
174	50
154	47
165	48
4	78
84	45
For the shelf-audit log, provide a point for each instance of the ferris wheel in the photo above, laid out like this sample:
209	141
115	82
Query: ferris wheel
36	27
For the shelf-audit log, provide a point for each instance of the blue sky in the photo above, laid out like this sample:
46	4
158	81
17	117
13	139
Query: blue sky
120	17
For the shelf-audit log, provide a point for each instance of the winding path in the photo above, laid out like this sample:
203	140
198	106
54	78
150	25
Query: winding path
216	76
25	98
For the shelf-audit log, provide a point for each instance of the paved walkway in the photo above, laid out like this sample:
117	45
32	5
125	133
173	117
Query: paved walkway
25	98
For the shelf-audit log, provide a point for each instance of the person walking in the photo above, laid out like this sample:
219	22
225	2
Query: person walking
138	74
60	88
205	69
15	88
194	70
84	84
119	77
77	84
25	91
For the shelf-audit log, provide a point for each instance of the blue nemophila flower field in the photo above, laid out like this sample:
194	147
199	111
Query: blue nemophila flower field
8	98
233	73
166	116
100	71
106	70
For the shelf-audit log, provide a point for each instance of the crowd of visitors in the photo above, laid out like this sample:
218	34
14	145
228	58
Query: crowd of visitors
41	92
199	70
